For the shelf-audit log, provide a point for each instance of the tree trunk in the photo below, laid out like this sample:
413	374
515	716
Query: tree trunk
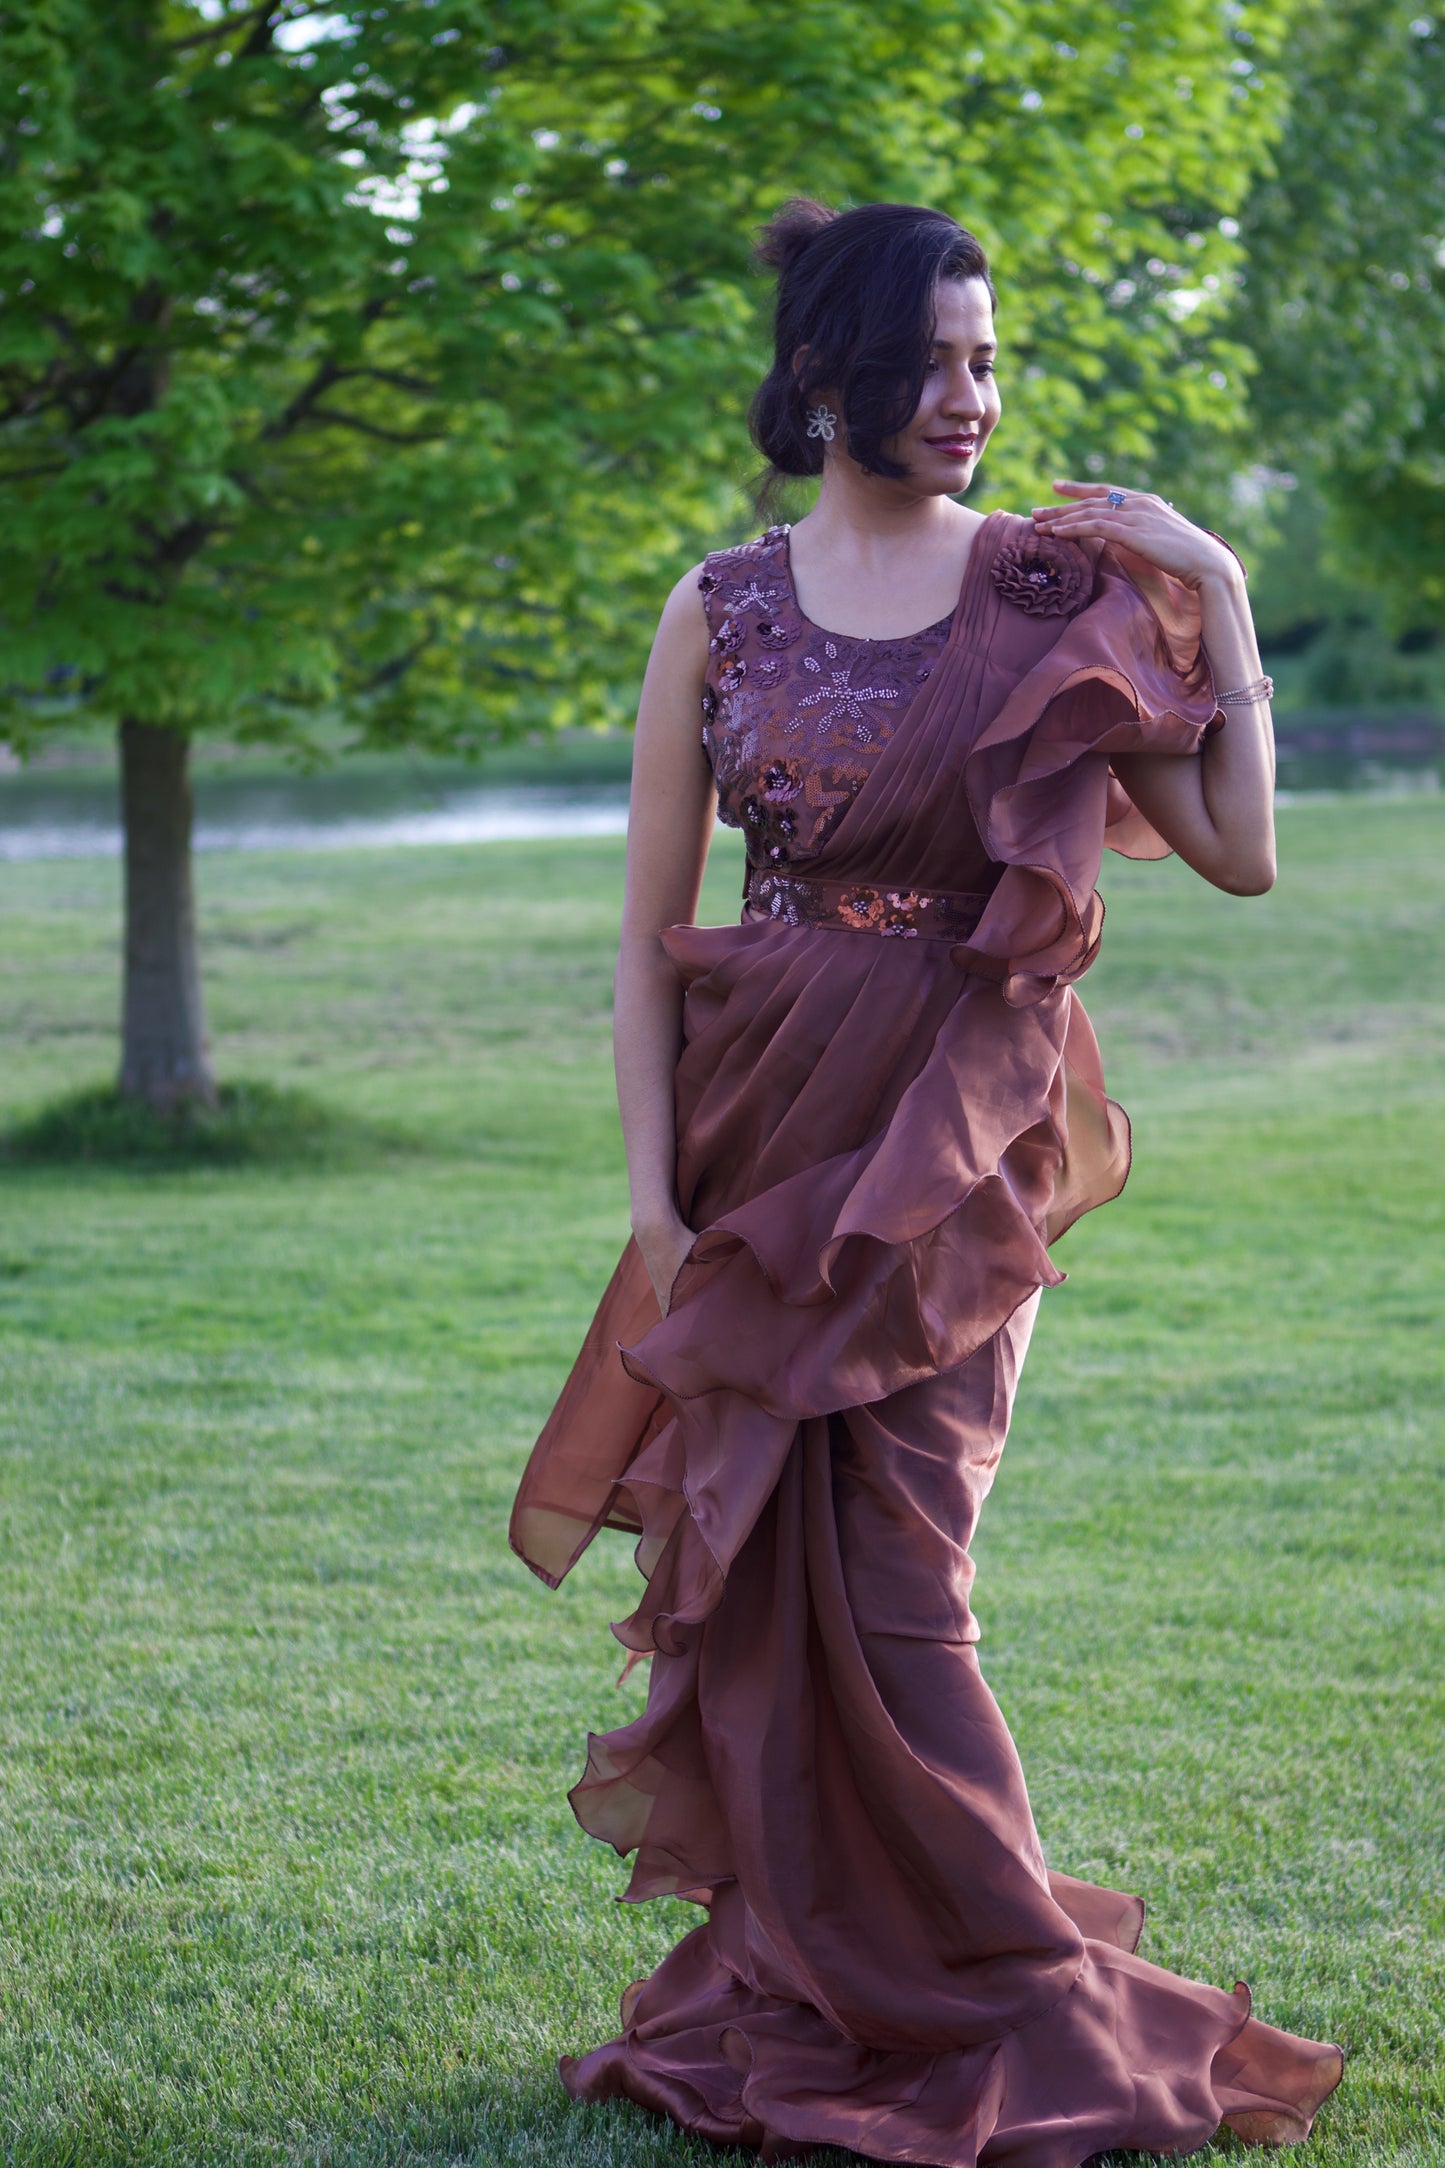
164	1054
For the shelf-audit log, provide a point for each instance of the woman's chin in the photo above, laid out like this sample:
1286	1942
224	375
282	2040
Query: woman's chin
935	477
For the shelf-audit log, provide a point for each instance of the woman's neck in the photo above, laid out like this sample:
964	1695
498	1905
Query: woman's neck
873	561
865	512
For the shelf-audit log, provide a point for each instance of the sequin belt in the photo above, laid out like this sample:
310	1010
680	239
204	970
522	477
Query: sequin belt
802	899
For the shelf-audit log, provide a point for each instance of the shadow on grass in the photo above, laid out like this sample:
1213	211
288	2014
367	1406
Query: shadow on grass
253	1125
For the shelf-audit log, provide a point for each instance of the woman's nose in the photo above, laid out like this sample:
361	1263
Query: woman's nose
965	398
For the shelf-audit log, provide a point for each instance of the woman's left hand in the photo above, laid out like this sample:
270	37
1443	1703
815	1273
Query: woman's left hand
1144	523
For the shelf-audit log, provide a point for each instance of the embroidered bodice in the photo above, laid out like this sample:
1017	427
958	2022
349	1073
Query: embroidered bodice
794	717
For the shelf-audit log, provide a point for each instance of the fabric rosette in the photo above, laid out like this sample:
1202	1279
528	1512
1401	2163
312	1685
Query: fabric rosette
1044	574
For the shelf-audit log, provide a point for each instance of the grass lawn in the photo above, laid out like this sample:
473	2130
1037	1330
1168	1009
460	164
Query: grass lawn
287	1874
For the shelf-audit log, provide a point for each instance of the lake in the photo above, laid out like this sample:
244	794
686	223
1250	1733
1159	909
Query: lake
71	813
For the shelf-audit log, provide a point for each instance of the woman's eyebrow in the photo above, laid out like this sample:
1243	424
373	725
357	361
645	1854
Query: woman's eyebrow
984	346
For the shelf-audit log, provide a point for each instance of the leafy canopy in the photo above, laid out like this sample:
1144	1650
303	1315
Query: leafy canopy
394	359
1343	297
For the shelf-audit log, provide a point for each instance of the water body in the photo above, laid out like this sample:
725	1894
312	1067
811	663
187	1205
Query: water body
72	814
313	813
1376	760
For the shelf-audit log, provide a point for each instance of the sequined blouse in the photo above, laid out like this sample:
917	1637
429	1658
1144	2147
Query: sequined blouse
794	717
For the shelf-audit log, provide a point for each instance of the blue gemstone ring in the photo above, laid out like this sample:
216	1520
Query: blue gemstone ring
1115	497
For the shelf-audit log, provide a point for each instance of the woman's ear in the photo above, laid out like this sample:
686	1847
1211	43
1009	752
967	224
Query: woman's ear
800	362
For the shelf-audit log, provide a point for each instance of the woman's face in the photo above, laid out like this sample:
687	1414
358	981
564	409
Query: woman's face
960	404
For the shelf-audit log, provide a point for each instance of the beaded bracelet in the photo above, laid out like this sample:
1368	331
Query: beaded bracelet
1247	695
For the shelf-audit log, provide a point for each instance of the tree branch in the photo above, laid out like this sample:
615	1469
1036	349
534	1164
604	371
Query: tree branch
390	672
250	487
319	415
61	325
259	41
328	373
188	539
397	377
284	423
221	29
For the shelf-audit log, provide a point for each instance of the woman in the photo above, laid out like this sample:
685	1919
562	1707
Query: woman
854	1123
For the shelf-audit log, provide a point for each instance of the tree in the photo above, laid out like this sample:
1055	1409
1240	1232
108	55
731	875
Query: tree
1343	292
387	362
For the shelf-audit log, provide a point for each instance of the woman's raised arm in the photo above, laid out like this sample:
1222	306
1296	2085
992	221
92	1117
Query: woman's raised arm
1217	812
669	827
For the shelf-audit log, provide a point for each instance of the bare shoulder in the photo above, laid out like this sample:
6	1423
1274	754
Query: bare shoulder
682	630
673	682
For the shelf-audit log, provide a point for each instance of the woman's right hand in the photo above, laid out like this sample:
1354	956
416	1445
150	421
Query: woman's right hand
663	1248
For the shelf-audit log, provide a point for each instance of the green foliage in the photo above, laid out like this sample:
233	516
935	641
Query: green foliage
394	360
1326	633
1343	296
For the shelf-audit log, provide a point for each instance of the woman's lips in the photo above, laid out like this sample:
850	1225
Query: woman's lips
953	447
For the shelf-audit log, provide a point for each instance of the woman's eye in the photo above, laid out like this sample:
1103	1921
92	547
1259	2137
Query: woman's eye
983	368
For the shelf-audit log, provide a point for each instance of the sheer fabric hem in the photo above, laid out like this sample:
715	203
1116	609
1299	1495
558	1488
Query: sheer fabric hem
1129	2057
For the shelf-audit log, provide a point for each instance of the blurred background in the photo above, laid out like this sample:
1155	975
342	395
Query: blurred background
366	378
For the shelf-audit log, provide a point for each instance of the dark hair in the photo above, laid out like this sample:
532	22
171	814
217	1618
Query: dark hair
856	288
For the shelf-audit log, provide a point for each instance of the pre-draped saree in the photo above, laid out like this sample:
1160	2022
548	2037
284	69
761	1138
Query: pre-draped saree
878	1139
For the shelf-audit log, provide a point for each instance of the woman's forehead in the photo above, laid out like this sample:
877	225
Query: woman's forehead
963	313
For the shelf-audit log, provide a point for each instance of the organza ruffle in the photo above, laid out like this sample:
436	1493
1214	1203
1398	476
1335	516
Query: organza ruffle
836	1277
1100	2069
1127	675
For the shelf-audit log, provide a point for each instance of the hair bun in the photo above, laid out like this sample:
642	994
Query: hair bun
782	241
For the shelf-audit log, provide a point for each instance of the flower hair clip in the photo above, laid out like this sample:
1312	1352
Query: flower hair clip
821	422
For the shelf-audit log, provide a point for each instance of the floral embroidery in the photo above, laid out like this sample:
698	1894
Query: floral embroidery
796	899
1046	575
788	767
752	597
782	779
846	698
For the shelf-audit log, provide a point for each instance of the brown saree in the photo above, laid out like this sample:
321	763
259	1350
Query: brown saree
889	1104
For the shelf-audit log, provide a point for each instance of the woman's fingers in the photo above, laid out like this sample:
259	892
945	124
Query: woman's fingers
1086	495
1135	510
1142	522
1102	517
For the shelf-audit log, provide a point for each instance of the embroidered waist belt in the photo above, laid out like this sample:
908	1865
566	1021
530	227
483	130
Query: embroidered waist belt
800	899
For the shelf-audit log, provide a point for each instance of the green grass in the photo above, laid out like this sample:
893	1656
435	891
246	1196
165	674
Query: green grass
287	1874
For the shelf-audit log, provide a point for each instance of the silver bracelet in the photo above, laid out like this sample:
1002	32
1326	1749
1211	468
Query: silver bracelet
1247	695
